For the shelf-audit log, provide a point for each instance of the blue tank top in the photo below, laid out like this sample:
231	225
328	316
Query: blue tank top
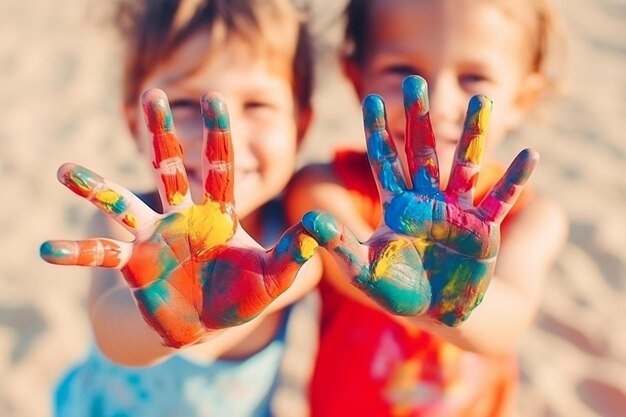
178	386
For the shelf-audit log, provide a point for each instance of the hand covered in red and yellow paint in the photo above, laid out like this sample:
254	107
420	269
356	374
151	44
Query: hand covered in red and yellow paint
191	270
435	252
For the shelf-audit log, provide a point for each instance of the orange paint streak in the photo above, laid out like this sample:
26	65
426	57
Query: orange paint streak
98	253
179	332
143	272
188	284
218	182
130	221
167	148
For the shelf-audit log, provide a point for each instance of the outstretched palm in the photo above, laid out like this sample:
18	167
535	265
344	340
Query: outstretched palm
435	252
191	269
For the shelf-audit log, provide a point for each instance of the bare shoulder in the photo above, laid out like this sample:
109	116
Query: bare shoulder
317	187
541	220
312	188
314	174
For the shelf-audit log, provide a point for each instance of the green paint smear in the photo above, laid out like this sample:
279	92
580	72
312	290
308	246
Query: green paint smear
48	250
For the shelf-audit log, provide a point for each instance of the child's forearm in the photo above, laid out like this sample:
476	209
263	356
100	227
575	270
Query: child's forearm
124	336
121	332
495	326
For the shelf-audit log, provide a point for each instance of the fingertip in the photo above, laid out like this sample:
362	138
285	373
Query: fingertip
152	95
211	95
64	169
525	163
531	155
321	225
415	94
214	111
373	113
45	250
309	220
528	158
79	179
156	109
478	113
55	252
480	102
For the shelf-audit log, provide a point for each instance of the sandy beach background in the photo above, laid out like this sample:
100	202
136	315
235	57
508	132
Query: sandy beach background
59	74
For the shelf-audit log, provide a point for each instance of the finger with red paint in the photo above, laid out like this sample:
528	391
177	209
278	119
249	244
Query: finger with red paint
114	201
498	202
466	163
167	154
420	143
217	152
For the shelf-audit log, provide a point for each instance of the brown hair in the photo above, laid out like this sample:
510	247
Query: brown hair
539	17
153	29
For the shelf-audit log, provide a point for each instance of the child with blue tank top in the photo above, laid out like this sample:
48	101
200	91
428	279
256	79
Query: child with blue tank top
190	315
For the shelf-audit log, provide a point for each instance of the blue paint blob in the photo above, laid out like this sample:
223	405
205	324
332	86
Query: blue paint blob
48	251
424	183
409	215
415	93
119	206
373	113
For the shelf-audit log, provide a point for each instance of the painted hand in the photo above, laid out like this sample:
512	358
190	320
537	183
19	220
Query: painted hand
192	269
435	252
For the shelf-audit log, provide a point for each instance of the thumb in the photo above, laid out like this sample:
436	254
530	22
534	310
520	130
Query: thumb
283	261
388	271
342	244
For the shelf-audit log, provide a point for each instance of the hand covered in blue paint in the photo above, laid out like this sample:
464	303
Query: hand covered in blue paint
435	252
192	270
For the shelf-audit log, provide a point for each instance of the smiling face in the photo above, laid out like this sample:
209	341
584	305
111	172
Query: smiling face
258	92
462	48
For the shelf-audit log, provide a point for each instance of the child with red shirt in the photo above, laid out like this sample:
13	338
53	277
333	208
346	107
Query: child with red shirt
432	237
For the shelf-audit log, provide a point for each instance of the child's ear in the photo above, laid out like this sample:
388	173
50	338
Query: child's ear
529	93
352	71
303	121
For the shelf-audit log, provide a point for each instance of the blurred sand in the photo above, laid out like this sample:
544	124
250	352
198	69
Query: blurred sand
58	94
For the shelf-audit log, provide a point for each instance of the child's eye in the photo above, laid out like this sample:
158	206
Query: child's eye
185	104
470	79
403	70
258	106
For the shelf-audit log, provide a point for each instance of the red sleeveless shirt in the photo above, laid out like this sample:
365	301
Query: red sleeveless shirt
370	365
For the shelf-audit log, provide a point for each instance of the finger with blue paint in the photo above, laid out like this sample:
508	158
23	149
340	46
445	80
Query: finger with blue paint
381	149
501	198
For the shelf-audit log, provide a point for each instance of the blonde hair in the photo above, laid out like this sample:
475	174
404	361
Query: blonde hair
154	29
539	17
